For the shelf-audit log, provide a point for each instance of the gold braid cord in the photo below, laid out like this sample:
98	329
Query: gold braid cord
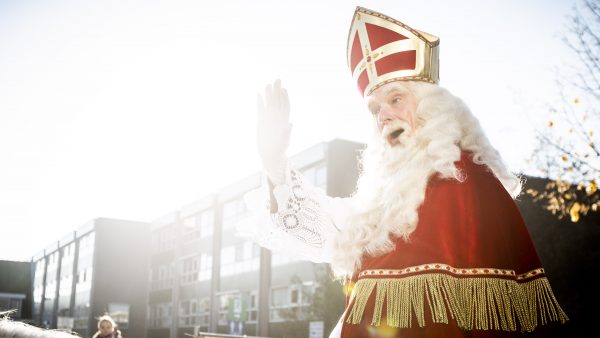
476	303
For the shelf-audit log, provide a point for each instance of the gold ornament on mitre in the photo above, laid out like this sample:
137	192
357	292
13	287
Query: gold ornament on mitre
382	50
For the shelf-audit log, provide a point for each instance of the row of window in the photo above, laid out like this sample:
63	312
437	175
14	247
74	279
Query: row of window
193	227
196	269
49	266
199	226
285	301
235	259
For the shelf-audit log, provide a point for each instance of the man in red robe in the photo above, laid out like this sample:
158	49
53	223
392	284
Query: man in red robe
432	243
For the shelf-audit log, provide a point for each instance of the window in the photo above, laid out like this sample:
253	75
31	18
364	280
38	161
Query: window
83	278
278	302
66	278
186	316
199	225
64	293
160	315
80	319
164	238
38	284
224	308
162	277
205	272
239	258
279	296
194	312
86	244
190	270
231	307
233	211
290	299
190	230
294	296
203	314
253	307
206	220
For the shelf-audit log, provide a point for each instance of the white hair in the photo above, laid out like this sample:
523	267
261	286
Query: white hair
393	179
12	329
106	318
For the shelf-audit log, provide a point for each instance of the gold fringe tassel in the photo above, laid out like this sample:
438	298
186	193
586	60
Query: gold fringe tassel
475	303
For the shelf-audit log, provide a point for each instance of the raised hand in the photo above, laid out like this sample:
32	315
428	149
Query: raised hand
273	130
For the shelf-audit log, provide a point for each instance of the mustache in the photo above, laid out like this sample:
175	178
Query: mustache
394	131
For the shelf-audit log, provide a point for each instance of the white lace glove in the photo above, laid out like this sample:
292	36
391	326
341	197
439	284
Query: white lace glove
273	131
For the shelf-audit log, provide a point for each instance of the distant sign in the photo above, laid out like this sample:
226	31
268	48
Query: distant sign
315	329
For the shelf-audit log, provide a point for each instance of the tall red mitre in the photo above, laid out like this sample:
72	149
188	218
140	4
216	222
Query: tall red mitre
382	50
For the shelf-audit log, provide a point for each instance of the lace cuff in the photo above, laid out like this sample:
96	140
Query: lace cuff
303	224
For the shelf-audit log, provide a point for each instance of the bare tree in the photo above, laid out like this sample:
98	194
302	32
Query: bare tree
568	151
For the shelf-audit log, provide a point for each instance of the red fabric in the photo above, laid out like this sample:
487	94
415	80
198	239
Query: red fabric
397	61
363	82
470	224
379	36
356	54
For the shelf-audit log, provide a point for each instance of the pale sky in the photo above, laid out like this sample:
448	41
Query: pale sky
131	109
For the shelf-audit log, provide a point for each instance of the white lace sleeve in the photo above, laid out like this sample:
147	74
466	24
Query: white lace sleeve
305	223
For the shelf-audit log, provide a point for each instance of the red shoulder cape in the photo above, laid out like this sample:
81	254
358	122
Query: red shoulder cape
469	268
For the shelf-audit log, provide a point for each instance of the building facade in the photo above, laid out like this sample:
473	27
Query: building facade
204	278
102	267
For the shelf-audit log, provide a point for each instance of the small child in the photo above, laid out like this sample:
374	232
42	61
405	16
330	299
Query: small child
107	328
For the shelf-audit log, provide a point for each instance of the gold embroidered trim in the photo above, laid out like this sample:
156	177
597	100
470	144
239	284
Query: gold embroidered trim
450	269
480	303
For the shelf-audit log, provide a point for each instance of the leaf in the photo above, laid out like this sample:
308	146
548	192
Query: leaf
592	188
574	212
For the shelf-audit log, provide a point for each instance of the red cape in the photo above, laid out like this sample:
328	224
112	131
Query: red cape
469	269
